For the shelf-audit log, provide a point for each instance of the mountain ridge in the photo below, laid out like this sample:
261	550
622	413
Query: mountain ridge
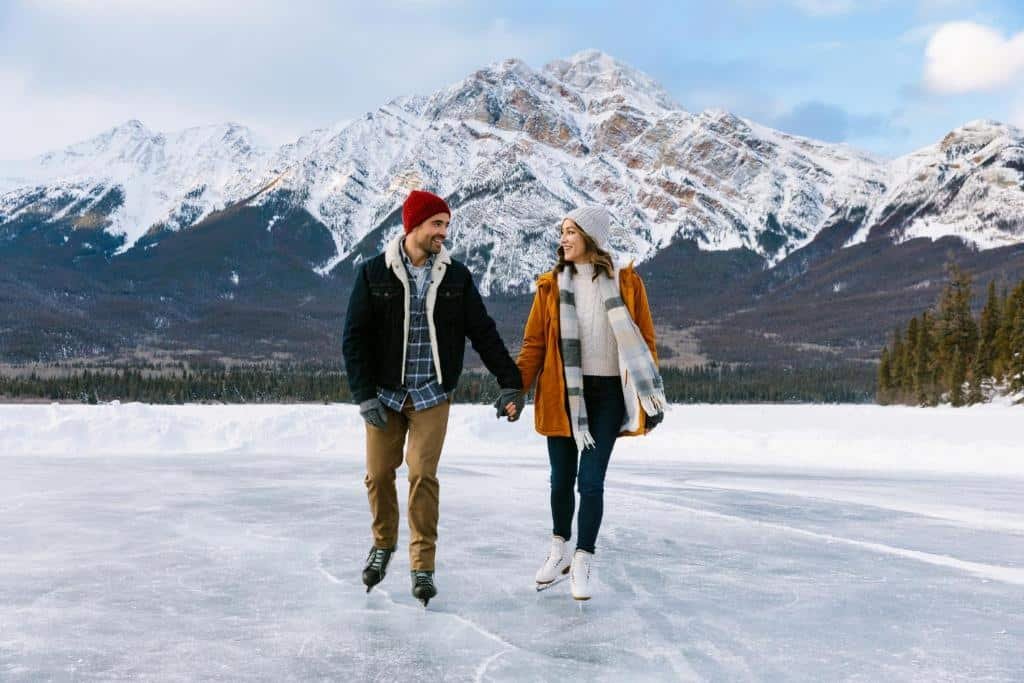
579	130
757	245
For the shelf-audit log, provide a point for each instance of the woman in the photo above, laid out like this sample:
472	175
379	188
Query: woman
589	343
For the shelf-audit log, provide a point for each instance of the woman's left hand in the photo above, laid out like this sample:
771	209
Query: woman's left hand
509	404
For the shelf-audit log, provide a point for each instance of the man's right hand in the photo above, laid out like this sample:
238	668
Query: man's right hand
374	412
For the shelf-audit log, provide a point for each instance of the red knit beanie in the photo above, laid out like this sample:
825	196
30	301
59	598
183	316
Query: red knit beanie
419	206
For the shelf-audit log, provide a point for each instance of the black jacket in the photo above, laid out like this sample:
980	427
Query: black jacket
375	325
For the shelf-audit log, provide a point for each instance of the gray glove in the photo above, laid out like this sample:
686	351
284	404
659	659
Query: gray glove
374	412
654	420
506	396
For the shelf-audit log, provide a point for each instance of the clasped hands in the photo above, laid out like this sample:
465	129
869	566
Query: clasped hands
509	404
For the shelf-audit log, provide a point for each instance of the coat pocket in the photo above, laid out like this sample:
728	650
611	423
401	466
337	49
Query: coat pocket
384	292
449	304
386	302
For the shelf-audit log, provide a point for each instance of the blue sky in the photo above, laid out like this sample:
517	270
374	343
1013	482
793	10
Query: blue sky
887	76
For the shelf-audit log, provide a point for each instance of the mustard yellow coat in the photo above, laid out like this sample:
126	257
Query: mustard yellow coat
540	357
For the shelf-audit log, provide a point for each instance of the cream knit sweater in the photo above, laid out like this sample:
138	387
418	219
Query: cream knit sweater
597	341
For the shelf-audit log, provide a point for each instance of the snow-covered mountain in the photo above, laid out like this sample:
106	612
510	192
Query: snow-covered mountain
513	149
970	184
130	180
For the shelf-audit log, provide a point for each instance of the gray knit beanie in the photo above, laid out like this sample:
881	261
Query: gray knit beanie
595	221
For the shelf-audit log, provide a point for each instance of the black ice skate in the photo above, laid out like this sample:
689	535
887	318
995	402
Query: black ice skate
376	566
423	586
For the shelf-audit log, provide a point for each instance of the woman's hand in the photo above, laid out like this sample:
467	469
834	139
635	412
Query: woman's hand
509	404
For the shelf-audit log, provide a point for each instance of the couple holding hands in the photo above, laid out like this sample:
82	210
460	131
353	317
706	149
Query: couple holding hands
588	344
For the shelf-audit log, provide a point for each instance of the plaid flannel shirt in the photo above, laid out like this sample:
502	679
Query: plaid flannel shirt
421	384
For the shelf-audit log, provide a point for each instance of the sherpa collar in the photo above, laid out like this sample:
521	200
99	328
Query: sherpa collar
393	253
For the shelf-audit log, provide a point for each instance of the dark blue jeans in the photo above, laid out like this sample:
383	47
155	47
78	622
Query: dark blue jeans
605	412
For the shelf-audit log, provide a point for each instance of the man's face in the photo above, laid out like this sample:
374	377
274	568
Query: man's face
431	233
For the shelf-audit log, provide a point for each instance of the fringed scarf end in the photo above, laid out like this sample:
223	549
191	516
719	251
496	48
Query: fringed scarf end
585	441
653	403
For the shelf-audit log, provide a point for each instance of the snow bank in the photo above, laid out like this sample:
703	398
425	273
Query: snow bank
980	440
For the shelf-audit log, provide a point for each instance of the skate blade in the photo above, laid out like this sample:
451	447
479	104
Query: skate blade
545	586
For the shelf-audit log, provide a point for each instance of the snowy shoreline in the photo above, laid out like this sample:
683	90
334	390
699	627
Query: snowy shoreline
984	440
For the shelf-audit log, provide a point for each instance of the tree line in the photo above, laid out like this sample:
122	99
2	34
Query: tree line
269	383
237	384
947	355
740	383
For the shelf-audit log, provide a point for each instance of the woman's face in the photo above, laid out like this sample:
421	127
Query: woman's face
572	243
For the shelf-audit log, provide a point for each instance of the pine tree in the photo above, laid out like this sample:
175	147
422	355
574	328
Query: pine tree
910	360
975	378
988	328
1016	340
897	358
957	331
957	375
1008	304
884	395
924	372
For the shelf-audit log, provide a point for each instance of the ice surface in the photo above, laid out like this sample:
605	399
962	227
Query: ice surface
739	543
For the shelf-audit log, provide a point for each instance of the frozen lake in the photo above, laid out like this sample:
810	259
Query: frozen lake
739	543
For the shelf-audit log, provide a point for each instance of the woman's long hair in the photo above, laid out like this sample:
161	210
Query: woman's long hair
602	259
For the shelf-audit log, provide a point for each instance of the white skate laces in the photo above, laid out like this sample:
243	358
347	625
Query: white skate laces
579	574
556	564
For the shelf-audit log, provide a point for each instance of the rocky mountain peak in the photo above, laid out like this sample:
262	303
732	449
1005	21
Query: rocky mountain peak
606	82
511	96
973	137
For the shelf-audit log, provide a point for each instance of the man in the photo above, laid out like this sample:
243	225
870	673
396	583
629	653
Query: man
409	315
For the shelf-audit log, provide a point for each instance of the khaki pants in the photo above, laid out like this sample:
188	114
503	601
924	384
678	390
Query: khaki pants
426	430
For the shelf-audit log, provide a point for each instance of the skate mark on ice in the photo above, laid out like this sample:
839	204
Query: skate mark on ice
484	665
267	537
494	637
482	669
1012	575
330	577
307	641
961	516
318	560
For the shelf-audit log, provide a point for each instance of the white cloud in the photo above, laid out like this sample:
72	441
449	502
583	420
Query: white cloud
964	57
71	68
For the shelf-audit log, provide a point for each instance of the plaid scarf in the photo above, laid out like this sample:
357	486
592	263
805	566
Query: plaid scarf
634	355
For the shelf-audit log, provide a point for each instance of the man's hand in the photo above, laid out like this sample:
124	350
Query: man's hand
654	420
374	412
509	403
